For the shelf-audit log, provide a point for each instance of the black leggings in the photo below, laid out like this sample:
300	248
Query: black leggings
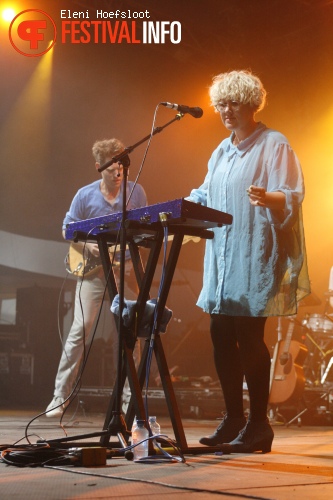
240	350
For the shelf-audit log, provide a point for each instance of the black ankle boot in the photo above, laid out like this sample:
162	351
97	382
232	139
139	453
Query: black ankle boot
256	436
227	430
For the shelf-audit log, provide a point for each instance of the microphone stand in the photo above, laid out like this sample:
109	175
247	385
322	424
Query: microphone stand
129	149
117	425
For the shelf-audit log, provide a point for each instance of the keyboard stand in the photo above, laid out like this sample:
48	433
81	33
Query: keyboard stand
150	236
145	278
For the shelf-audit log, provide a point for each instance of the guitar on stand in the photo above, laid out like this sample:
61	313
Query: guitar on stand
287	380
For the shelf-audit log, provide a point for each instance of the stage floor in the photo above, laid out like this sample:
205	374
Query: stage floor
300	465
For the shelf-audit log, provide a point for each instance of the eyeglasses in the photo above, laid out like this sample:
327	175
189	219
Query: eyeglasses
221	106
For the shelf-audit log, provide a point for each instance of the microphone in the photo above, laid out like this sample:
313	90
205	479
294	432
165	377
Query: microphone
195	112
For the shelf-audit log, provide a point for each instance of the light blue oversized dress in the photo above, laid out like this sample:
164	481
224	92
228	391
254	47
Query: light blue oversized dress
256	266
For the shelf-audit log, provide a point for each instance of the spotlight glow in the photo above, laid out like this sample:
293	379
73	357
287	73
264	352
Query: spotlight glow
8	14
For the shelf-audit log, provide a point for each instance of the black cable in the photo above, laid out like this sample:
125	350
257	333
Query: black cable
85	357
167	485
144	156
165	456
152	337
36	456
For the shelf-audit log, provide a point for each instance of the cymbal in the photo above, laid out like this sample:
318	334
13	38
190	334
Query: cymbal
310	300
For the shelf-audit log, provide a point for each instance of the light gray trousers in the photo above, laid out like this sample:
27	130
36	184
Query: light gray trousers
88	297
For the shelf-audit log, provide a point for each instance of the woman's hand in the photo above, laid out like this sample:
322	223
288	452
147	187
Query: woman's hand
259	197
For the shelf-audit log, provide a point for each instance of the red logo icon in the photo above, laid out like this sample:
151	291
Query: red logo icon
32	33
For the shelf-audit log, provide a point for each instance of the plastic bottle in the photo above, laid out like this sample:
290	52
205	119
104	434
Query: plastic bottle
135	424
140	433
154	426
155	429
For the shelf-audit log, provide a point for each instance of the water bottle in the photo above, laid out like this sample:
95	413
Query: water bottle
135	424
140	433
155	429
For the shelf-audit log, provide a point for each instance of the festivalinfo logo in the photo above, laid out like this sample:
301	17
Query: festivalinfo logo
33	32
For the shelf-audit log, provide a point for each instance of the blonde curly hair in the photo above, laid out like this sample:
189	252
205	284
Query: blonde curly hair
241	86
107	148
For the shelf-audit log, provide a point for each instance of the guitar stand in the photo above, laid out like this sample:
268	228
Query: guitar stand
307	407
274	416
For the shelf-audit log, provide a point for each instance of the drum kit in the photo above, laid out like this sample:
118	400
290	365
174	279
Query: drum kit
318	367
304	365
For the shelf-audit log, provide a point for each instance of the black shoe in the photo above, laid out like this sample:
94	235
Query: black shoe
256	436
227	430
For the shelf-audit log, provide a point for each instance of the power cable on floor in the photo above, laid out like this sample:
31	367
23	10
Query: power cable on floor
167	485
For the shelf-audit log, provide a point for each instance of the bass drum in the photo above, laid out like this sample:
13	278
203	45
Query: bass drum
320	324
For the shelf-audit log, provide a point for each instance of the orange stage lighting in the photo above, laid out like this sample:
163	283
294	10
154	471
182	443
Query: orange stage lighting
8	14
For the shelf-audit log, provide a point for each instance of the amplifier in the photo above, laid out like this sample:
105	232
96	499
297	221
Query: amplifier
12	333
